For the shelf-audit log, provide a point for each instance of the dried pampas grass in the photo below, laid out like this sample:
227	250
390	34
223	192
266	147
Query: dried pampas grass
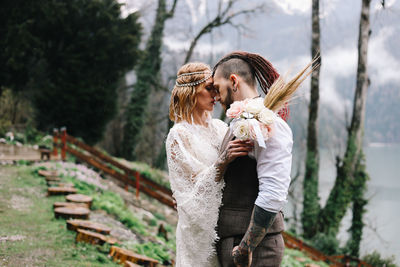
281	93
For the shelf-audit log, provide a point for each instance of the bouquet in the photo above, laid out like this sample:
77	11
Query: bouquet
251	120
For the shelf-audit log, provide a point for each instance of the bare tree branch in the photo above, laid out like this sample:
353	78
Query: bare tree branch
223	17
171	12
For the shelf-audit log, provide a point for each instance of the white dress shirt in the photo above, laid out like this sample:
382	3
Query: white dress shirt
274	164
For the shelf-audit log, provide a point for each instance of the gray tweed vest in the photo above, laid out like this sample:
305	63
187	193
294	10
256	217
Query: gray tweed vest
240	193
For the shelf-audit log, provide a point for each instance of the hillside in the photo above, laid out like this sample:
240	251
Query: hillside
29	222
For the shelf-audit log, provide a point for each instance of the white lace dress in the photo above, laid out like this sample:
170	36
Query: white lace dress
192	151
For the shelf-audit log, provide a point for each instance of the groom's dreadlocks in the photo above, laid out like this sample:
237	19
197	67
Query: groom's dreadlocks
256	67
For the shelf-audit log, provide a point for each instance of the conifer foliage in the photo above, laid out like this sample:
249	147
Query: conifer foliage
69	55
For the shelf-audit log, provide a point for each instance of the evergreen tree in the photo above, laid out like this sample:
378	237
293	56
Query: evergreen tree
70	54
148	79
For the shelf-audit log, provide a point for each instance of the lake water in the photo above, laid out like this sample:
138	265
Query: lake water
383	211
382	230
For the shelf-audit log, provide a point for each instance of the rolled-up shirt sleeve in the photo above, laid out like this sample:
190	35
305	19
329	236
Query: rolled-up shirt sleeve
274	165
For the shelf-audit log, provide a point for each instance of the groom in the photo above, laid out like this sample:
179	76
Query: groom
250	221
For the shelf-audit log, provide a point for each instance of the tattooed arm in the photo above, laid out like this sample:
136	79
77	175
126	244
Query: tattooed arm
260	221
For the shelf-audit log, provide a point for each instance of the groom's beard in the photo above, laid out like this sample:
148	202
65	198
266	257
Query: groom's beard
227	102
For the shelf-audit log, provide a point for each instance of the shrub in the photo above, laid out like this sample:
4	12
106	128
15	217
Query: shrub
326	243
159	216
153	222
376	260
153	250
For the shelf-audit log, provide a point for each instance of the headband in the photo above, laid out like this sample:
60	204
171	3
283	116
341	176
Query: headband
196	82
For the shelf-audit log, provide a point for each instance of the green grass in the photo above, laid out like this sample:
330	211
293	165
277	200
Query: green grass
148	172
296	258
111	203
153	250
46	241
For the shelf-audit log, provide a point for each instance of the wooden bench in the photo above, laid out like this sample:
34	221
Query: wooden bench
72	213
79	198
94	238
56	191
123	255
59	184
76	224
68	204
50	179
48	173
44	153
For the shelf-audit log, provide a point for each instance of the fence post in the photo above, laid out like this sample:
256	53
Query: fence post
137	184
63	143
55	142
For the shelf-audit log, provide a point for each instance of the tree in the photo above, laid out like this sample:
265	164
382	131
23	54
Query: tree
148	80
350	171
18	45
311	200
81	49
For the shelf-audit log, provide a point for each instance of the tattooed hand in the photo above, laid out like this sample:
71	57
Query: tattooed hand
236	148
259	224
241	258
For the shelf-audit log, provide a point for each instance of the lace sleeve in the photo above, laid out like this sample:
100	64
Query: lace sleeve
197	194
221	127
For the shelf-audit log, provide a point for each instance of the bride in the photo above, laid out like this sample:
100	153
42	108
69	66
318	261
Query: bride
195	165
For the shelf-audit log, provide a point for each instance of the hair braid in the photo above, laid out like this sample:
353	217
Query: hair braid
262	69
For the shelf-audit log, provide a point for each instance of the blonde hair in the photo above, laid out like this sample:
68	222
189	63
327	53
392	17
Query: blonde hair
183	98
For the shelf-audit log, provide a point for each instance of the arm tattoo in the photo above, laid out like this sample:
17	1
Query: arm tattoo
260	221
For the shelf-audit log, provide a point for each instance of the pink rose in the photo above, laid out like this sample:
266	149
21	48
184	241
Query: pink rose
266	130
235	109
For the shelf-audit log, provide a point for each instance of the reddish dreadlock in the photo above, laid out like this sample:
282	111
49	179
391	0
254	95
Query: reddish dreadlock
261	69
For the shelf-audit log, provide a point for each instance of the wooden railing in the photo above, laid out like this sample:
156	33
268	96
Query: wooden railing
340	260
110	166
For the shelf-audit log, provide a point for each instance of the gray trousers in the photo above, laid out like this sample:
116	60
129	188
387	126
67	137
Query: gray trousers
269	252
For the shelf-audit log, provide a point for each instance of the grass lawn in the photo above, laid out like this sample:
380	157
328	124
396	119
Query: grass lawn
29	233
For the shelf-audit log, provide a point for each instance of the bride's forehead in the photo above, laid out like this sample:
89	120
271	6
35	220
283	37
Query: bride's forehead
209	81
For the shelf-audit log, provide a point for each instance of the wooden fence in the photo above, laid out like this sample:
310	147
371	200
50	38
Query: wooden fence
110	166
340	260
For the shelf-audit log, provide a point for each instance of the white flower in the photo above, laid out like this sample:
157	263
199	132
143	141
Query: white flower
242	130
247	115
266	116
255	105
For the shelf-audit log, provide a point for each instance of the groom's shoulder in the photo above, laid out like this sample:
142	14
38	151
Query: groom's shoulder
283	127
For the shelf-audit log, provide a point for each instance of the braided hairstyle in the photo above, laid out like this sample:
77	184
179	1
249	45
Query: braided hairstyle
259	67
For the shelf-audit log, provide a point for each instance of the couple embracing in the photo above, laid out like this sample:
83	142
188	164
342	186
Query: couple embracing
230	183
